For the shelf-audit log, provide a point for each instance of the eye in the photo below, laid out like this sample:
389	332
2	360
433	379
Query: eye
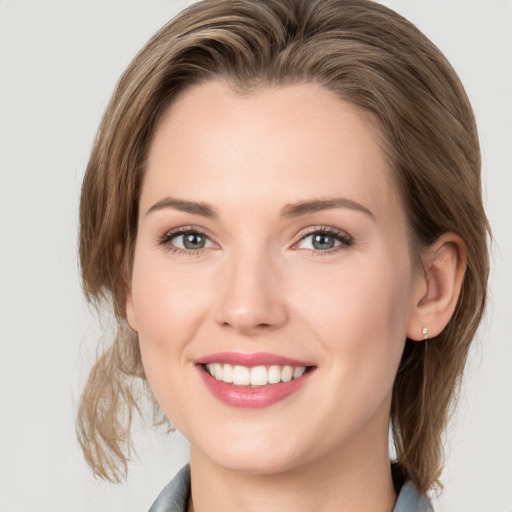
186	240
190	241
325	240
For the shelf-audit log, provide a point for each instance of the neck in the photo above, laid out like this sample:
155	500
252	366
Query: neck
351	478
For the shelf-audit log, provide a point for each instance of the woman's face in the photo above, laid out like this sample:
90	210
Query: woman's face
269	237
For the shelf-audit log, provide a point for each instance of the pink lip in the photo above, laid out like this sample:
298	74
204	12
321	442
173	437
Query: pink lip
250	360
245	397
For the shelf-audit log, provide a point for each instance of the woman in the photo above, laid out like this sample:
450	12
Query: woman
283	204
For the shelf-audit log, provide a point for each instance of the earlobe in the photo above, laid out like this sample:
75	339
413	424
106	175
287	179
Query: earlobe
439	288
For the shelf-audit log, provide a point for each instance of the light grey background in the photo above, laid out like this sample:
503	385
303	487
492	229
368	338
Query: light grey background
59	63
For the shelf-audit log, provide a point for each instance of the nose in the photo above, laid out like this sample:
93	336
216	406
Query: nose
250	298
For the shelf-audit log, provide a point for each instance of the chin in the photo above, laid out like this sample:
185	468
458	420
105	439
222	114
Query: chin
257	464
250	454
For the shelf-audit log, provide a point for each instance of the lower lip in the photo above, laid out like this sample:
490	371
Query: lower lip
245	397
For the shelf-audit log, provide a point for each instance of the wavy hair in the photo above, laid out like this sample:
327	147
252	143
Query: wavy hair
369	56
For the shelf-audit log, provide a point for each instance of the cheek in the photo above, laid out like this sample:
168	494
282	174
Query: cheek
360	314
167	307
168	317
165	302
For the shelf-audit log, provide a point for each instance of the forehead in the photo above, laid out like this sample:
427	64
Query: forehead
271	146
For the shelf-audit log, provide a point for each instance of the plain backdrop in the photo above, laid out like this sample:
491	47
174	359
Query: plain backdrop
59	63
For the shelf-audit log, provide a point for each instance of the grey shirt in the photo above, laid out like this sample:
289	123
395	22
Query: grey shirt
174	497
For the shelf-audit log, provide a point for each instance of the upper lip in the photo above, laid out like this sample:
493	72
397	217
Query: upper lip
251	359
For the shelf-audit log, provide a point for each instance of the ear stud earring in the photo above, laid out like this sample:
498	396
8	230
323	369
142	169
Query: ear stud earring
424	331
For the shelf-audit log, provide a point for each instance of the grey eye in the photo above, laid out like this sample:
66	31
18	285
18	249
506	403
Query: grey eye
322	241
192	241
189	241
319	242
325	240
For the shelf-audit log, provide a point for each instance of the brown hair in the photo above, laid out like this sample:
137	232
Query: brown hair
369	56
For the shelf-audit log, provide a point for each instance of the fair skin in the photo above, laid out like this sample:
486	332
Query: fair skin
226	262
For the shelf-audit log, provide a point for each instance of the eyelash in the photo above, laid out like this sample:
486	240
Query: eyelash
165	241
341	236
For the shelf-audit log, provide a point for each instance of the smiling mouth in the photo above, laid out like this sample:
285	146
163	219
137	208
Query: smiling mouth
255	376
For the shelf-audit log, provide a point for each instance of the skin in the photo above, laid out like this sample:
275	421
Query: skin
259	285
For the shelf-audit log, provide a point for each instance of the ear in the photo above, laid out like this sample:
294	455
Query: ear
437	290
130	311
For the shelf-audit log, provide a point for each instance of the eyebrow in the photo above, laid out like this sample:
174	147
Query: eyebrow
193	207
305	207
288	211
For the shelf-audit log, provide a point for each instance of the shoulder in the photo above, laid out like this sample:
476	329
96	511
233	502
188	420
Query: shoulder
174	497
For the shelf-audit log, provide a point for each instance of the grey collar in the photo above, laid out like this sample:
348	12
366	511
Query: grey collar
175	495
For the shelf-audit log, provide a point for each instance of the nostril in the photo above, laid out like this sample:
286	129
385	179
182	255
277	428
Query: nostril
246	325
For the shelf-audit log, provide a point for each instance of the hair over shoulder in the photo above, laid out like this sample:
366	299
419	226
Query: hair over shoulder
369	56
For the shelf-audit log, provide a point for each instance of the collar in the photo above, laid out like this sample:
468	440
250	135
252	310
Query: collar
175	495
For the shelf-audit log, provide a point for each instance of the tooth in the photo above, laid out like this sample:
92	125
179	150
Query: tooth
217	370
299	371
227	373
287	374
258	376
241	376
274	374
